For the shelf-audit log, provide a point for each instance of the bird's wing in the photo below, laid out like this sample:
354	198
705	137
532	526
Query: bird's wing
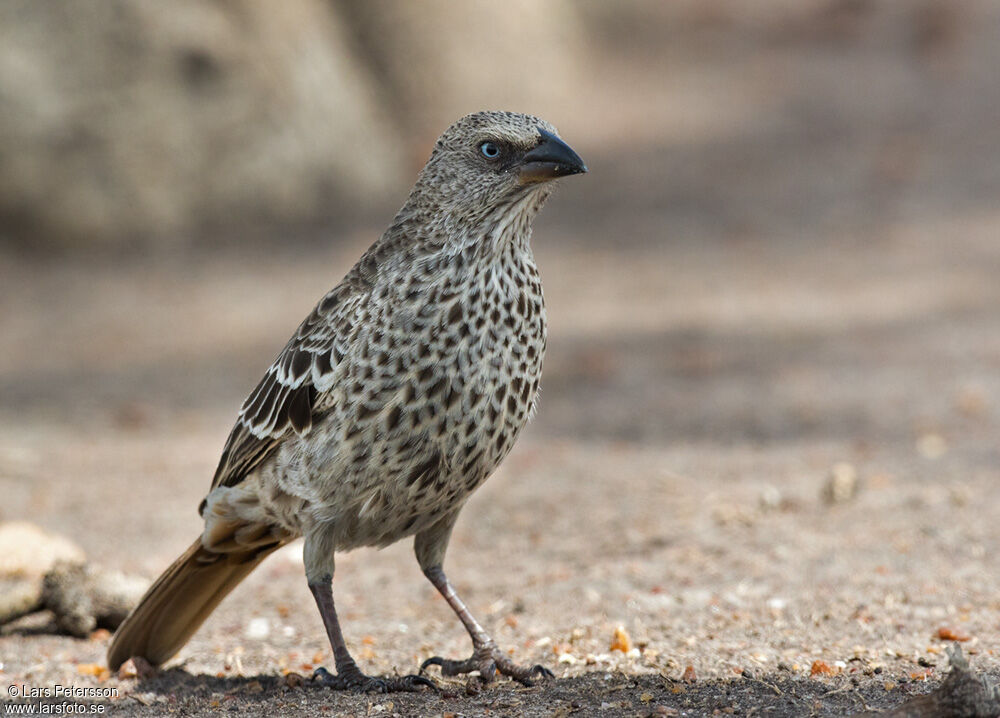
284	401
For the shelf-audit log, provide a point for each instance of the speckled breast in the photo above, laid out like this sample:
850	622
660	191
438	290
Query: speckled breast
432	401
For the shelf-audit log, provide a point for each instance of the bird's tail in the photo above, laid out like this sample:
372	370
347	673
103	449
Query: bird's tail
179	602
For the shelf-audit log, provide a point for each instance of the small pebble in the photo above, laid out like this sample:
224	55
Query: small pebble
841	484
258	628
770	497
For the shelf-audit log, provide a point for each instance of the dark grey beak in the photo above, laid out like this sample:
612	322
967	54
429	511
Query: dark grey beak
551	158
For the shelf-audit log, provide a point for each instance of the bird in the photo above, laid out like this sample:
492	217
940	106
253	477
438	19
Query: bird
397	396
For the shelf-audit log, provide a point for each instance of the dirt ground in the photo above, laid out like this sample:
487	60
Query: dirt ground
734	318
696	400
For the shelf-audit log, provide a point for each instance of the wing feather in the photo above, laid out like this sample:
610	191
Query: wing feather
284	401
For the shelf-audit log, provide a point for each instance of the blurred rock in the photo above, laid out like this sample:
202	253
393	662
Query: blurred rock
40	571
84	597
437	60
133	120
27	551
19	597
128	119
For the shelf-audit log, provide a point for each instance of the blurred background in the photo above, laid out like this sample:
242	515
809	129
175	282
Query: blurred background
809	140
128	124
783	261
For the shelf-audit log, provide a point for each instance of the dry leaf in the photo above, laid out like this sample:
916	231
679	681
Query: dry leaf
94	669
620	641
821	668
950	633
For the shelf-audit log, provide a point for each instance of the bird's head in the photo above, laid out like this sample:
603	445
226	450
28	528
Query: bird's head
489	161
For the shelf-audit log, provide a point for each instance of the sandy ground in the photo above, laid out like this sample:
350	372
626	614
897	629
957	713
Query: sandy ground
696	401
734	314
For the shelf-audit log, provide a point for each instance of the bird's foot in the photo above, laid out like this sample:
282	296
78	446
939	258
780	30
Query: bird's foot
489	660
354	679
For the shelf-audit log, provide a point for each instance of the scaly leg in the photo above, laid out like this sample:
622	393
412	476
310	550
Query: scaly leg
319	572
348	673
487	658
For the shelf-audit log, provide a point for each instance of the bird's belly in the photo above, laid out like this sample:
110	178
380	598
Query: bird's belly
415	436
451	445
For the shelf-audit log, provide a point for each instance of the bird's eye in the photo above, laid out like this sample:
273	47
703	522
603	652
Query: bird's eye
490	150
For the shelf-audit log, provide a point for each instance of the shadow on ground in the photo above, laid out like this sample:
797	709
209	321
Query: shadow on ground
607	694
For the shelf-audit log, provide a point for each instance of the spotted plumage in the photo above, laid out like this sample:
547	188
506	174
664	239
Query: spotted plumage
398	395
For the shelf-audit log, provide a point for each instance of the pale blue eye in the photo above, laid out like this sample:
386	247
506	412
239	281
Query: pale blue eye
490	150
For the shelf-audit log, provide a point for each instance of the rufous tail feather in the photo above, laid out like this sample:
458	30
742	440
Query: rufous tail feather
179	602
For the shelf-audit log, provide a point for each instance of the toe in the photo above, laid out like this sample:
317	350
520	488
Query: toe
374	685
324	676
542	671
488	672
448	666
403	684
369	684
432	661
524	674
415	683
488	661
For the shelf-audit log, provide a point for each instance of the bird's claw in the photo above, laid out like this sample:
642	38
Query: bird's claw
488	660
356	680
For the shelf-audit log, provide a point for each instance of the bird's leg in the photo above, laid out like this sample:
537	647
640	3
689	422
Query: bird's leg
487	658
318	558
348	673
